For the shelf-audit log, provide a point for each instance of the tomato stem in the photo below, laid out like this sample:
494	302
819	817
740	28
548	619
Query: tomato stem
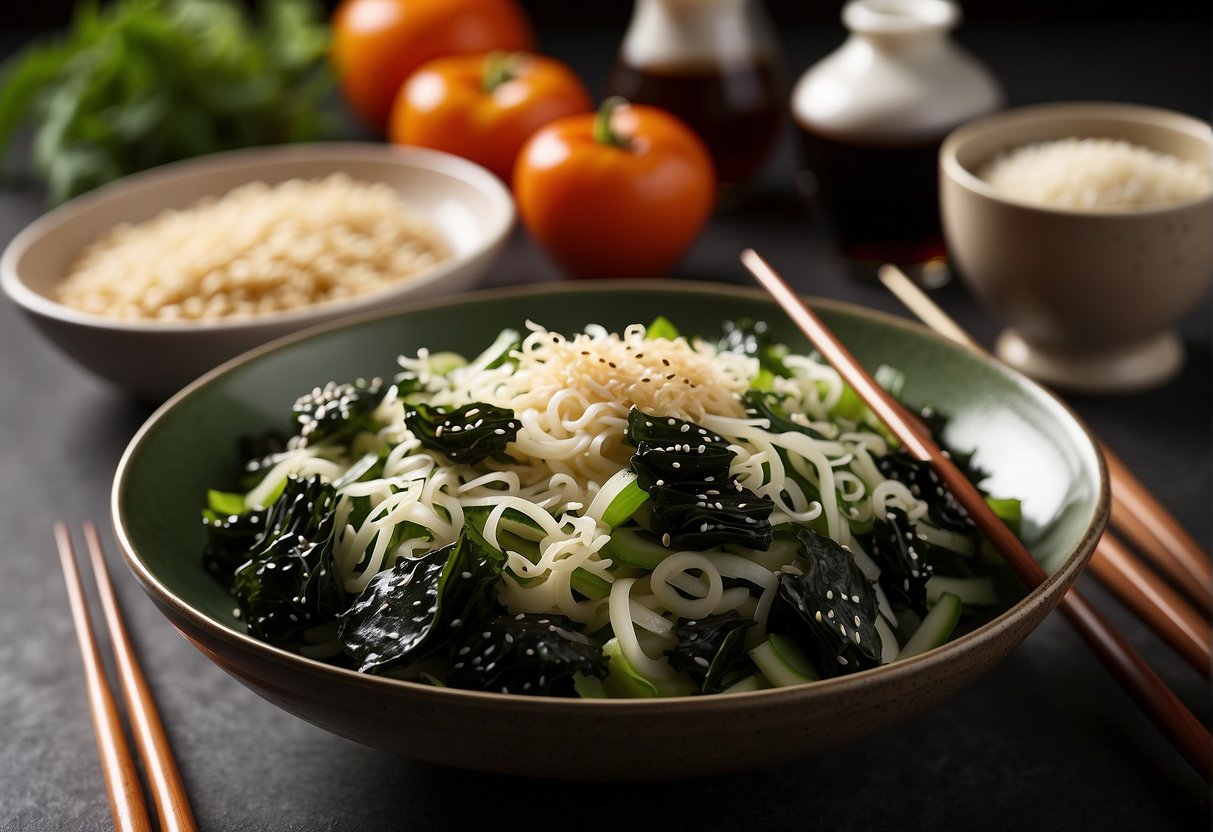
499	67
603	132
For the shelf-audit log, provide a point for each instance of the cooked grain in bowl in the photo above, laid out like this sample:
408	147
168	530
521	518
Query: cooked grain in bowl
1097	175
258	249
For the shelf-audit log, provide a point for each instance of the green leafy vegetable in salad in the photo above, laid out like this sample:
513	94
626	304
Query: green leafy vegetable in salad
468	434
604	514
289	582
830	610
696	502
418	605
528	653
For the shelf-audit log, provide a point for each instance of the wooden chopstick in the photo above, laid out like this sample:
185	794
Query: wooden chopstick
1134	510
1149	597
164	781
1157	700
1153	601
121	776
1156	533
117	764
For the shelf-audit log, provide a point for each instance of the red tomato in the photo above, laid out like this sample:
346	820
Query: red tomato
483	107
620	193
378	43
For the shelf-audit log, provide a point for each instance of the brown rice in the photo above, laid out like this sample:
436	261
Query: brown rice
257	250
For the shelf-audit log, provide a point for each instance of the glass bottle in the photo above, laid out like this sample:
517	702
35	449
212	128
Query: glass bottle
714	64
871	117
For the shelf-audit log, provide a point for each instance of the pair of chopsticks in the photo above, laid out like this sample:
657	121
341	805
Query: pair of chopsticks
1149	691
1136	514
118	767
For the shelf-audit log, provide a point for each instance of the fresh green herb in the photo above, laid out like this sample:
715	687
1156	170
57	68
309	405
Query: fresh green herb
138	83
470	434
530	654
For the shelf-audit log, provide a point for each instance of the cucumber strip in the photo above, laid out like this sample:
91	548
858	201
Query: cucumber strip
633	547
1009	511
588	687
625	504
755	681
936	627
441	363
977	592
782	662
592	586
617	500
626	682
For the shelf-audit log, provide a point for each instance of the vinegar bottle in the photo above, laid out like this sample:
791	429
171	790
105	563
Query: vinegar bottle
871	117
715	65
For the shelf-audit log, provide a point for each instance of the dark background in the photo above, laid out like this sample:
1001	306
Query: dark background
561	13
1045	741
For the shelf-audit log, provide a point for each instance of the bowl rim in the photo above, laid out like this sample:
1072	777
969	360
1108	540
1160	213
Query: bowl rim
253	159
1067	570
1141	114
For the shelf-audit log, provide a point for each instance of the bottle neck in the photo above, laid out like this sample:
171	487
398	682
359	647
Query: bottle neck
901	24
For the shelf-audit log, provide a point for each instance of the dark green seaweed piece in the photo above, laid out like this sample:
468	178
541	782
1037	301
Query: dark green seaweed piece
229	540
695	501
829	611
943	508
765	405
753	338
416	607
530	654
708	648
469	434
904	560
336	412
288	583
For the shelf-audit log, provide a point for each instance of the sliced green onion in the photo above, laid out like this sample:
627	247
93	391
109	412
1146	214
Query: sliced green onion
225	503
661	328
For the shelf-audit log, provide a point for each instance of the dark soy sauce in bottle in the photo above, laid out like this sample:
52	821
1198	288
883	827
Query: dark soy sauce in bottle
714	64
881	200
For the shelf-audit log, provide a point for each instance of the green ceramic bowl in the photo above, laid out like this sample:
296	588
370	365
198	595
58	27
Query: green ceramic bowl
1033	445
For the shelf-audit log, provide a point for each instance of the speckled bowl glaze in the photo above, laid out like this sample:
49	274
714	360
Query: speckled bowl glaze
469	206
1031	442
1091	297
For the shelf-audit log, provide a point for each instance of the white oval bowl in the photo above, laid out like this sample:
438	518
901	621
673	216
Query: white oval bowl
471	208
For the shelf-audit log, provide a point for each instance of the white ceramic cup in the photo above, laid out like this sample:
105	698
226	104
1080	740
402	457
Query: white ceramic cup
1091	297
